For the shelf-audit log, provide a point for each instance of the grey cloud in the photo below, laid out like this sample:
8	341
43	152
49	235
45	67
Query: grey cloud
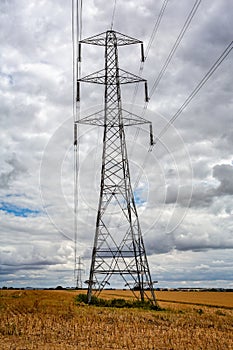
201	169
161	243
17	169
200	243
204	194
224	173
195	233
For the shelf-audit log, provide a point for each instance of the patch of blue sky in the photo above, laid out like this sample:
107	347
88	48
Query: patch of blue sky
14	195
138	197
18	211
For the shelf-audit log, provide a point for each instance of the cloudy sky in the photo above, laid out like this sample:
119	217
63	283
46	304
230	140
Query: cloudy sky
185	188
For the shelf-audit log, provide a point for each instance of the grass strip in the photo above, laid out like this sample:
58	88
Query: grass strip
117	302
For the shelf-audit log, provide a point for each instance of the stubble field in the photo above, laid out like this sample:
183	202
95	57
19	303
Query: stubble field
52	320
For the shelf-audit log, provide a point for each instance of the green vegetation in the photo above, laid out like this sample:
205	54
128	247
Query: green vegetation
118	303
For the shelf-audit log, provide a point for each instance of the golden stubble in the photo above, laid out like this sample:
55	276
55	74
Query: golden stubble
52	320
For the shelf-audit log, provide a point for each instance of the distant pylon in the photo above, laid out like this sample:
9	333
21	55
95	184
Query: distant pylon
118	244
79	283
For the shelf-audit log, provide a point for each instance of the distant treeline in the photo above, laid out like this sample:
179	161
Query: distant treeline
156	289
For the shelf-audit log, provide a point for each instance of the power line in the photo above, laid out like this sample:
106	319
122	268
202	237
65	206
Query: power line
176	44
73	30
152	37
207	76
76	71
113	14
156	27
171	54
151	40
81	20
73	56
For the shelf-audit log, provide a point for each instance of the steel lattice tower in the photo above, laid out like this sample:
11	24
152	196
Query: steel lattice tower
118	245
79	283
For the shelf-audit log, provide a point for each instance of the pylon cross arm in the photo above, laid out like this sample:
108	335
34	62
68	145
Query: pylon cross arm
128	118
99	77
121	39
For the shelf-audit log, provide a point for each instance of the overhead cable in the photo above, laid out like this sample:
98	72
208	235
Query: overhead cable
152	38
156	27
207	76
113	14
176	45
76	37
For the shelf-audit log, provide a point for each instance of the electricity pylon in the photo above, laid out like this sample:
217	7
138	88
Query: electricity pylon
79	283
118	245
